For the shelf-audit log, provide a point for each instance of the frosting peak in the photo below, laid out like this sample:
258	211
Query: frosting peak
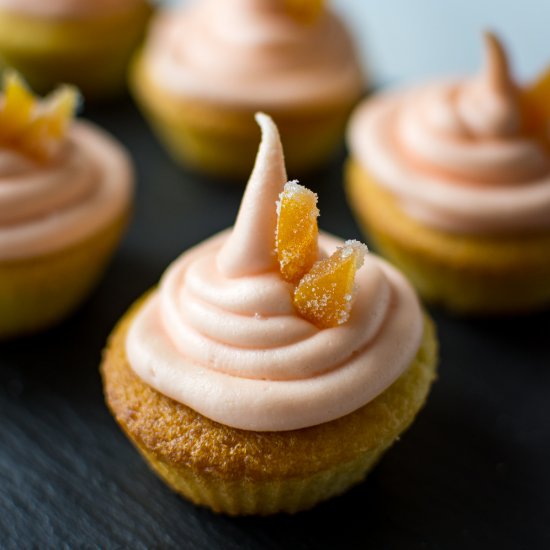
489	104
225	338
497	71
249	248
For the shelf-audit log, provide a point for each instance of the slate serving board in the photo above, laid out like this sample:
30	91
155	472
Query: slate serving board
472	472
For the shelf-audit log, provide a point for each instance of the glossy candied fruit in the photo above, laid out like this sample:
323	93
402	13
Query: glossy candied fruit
17	108
325	295
305	11
297	231
32	126
536	104
41	138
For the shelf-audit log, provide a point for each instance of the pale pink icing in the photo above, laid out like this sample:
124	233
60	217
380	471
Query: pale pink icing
453	154
47	207
62	9
252	53
221	334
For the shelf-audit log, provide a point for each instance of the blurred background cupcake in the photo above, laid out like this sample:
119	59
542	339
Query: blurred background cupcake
452	182
83	42
209	65
65	193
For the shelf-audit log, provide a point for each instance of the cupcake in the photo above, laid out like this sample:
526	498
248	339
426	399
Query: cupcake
269	371
208	67
65	190
451	180
85	42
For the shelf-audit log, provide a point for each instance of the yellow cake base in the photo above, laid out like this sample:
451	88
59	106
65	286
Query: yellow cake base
466	274
37	292
92	53
241	472
223	141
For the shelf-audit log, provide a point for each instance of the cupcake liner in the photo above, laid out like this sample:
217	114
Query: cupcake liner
467	274
93	54
36	293
221	141
245	497
240	472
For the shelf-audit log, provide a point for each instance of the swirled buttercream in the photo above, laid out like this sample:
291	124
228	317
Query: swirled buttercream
454	155
45	207
252	53
221	334
62	9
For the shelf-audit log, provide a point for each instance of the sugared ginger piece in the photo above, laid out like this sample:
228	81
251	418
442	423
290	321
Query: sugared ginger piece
17	107
35	127
536	106
305	11
296	237
325	295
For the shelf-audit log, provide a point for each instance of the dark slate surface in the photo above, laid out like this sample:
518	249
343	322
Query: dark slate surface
473	472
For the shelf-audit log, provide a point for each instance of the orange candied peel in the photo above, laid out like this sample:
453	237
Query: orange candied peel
325	295
535	101
324	289
296	237
35	127
305	11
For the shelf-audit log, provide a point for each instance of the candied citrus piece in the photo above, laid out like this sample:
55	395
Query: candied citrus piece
61	108
296	237
43	135
536	104
33	126
18	105
305	11
325	295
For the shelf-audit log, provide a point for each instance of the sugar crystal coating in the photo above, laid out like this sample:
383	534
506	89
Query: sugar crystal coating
32	126
296	237
325	295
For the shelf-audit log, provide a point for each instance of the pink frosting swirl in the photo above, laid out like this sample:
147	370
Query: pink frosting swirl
221	334
453	154
252	53
61	9
47	207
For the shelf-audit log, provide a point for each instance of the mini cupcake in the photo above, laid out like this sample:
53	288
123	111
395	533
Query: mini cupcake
65	190
269	370
208	67
84	42
452	182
